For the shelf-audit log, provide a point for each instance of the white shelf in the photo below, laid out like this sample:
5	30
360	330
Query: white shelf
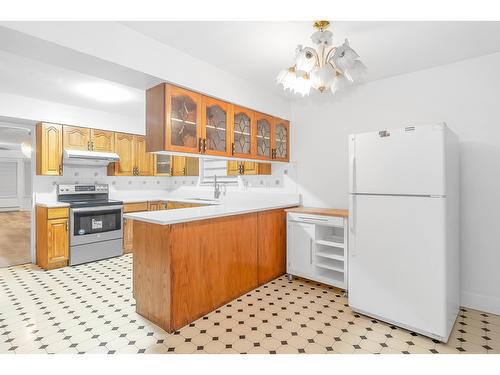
330	256
328	267
184	122
332	242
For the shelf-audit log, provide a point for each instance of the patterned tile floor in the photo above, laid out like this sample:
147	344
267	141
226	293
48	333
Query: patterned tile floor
90	309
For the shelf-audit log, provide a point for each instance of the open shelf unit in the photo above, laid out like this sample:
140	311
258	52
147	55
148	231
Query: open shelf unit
317	248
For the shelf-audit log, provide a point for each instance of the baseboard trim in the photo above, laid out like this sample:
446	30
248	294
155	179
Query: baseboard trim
481	302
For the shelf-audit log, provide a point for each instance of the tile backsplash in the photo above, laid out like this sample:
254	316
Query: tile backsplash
282	179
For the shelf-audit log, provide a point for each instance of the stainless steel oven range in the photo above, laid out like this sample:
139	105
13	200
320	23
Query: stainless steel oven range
96	224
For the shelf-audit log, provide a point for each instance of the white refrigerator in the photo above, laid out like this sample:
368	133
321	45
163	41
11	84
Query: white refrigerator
404	227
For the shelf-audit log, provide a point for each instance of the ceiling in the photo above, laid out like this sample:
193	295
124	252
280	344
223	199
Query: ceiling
257	51
28	77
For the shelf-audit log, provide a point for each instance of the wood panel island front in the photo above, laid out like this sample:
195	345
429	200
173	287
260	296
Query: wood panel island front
184	270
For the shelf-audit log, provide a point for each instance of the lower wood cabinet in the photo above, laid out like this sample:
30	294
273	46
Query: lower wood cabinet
52	237
173	205
271	232
157	206
183	271
128	231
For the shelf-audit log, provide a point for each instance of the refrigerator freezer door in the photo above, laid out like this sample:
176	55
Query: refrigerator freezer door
408	161
397	261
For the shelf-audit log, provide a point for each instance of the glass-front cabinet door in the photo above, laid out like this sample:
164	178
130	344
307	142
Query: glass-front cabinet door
243	133
162	165
216	121
183	120
264	124
281	140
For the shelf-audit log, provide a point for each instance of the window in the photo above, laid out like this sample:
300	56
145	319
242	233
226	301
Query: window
216	167
8	175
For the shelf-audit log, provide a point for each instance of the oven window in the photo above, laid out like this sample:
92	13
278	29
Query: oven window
96	221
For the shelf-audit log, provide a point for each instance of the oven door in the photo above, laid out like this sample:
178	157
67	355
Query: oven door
95	224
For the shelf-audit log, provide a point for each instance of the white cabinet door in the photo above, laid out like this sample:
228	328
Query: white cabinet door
300	243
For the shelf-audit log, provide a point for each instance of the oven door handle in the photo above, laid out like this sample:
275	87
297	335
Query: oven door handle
98	208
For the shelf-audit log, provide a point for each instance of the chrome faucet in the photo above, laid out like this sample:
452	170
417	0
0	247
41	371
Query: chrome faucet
216	188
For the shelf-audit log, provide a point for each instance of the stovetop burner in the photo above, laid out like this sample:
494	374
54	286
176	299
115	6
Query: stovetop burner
80	195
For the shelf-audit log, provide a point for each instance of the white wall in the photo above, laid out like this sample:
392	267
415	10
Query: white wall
466	96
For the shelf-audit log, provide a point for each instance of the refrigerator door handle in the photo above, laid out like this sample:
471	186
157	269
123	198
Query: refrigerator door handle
352	169
352	229
352	204
352	166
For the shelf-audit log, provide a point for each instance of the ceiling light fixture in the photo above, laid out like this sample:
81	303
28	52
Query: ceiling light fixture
105	92
323	67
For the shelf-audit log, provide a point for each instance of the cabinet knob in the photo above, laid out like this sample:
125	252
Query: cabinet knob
60	169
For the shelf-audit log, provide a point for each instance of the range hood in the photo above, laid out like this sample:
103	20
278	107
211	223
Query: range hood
89	158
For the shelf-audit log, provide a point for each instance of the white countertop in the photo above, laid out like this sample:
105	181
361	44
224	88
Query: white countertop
50	201
182	215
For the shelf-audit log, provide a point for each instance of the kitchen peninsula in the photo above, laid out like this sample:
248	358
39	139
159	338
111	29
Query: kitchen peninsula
188	262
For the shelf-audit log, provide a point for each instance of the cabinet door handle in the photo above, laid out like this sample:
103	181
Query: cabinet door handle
184	171
67	226
200	145
204	145
310	251
232	148
92	145
60	170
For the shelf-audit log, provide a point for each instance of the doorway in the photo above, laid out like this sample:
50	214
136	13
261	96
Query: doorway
15	194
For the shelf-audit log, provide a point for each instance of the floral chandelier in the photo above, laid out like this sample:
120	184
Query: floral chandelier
323	67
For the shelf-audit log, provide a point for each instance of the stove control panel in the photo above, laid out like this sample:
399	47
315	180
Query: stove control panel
82	189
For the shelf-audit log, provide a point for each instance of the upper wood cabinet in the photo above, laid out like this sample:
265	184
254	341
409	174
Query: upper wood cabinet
264	124
134	160
216	126
180	120
281	140
235	168
102	140
243	133
124	147
76	138
49	148
143	160
183	128
184	166
173	119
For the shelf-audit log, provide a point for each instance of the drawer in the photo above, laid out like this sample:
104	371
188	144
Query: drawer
135	207
331	221
57	213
